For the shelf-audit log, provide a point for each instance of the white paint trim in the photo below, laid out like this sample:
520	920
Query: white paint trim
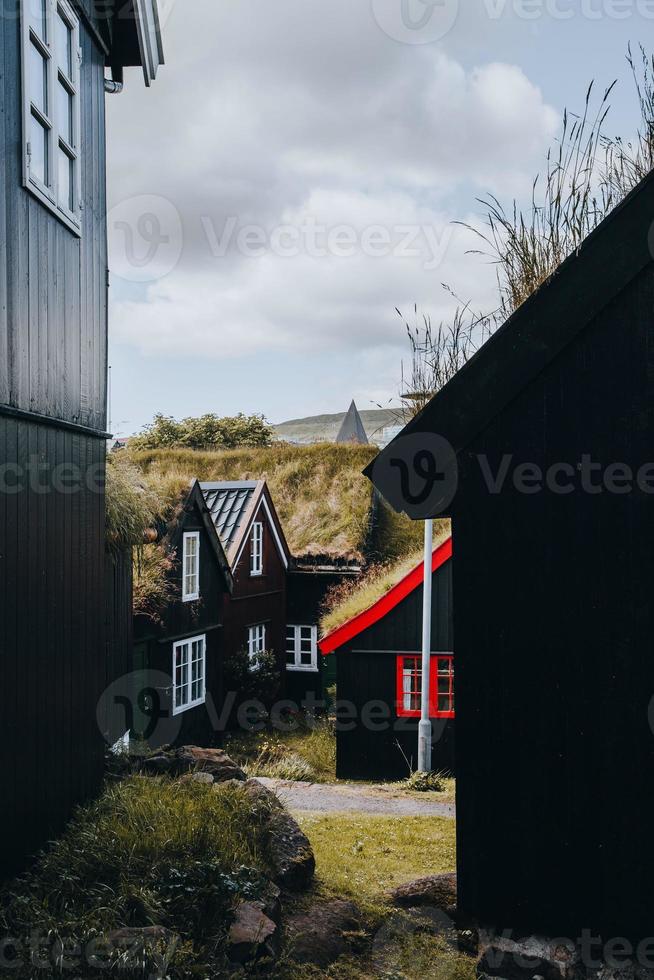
189	641
263	503
297	647
191	596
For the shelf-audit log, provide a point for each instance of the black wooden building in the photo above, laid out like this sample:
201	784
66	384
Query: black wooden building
53	343
379	666
550	474
179	656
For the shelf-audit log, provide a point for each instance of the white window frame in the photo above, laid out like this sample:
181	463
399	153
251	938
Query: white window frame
56	129
256	548
294	647
187	702
190	596
256	640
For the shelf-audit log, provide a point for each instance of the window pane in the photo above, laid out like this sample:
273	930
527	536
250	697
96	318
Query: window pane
37	17
65	113
63	44
65	180
39	151
38	79
305	659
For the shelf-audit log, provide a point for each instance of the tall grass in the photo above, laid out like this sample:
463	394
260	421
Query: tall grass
130	503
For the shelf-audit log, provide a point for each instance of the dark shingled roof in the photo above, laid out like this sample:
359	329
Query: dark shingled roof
352	429
228	505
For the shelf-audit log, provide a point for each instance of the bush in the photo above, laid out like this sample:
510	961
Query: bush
153	588
255	678
307	753
426	782
207	432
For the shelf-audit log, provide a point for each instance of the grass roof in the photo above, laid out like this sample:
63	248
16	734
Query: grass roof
323	500
352	598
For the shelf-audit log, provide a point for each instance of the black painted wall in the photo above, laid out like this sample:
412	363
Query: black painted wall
385	747
554	624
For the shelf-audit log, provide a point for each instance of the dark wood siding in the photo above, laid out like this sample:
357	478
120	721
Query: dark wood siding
52	635
185	619
367	673
53	314
554	623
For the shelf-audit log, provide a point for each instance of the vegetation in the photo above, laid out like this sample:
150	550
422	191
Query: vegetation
307	752
256	678
324	428
351	598
150	851
131	504
153	588
321	495
207	432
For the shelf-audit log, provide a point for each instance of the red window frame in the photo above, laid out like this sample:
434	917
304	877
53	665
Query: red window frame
441	684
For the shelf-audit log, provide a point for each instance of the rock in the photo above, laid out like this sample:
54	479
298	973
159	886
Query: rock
213	761
438	891
199	777
289	852
157	765
252	934
525	958
323	933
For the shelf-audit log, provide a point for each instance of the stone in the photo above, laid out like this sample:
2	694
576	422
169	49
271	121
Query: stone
213	761
157	765
289	852
323	933
252	934
526	958
200	777
438	891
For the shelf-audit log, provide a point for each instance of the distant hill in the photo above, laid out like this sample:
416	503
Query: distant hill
324	428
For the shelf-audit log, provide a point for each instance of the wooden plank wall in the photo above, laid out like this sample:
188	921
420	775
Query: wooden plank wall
554	624
52	636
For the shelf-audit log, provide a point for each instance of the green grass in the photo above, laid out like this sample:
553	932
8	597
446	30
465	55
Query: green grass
320	493
360	858
149	851
308	754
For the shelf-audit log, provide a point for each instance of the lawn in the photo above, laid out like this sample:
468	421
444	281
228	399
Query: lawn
360	859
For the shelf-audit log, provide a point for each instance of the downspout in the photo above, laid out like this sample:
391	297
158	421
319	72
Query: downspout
424	728
115	84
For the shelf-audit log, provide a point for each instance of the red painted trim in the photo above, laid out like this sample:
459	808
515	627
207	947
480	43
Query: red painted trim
339	637
434	712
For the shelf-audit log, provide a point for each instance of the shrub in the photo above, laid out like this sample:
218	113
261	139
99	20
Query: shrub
131	504
255	678
153	588
426	782
206	432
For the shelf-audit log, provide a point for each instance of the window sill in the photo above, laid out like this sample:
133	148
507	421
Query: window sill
187	707
302	670
47	202
191	598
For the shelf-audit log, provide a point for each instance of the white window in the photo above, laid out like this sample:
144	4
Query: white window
51	59
256	549
189	663
191	566
256	639
302	648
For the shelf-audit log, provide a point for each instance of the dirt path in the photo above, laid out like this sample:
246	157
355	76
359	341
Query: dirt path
354	798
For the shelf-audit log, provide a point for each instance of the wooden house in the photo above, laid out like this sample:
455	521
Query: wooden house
54	55
379	663
247	524
542	450
178	656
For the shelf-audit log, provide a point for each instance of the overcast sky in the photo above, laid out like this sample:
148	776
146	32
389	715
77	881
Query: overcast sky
293	174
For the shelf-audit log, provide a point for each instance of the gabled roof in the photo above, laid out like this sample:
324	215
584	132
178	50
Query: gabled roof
339	637
352	429
547	322
196	497
233	506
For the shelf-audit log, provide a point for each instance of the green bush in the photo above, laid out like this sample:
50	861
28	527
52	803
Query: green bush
206	432
426	782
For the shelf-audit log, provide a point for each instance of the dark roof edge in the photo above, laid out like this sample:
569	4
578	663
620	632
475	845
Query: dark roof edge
608	259
195	494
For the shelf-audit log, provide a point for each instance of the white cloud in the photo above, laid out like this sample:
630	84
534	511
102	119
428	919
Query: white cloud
287	113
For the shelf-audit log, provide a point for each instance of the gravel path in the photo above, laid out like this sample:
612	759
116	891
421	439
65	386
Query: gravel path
353	798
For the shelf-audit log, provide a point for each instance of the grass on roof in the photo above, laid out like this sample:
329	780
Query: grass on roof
322	498
353	597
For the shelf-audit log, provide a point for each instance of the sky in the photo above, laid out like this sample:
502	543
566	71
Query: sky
297	172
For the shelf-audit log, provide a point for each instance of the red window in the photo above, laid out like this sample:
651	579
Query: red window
441	684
